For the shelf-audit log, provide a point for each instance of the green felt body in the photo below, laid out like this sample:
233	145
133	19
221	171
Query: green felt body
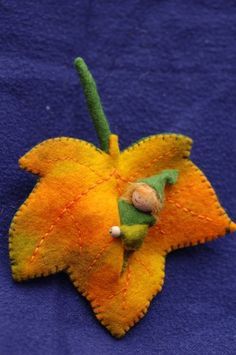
129	215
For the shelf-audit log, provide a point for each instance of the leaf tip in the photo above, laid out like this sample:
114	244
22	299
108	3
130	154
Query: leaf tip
232	227
21	162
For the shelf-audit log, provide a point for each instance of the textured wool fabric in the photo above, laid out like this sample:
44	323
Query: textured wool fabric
64	224
161	66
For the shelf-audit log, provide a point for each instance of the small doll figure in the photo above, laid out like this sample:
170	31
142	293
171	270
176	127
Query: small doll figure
143	197
139	208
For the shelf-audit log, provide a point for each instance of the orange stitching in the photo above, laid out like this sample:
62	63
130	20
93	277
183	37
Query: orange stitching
156	159
79	242
188	210
99	254
145	267
122	178
114	294
65	209
75	161
118	178
158	229
165	155
124	303
182	189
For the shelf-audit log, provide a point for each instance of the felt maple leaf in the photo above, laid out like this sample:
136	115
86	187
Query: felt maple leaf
64	224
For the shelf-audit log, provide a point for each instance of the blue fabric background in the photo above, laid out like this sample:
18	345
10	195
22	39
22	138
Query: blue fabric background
160	66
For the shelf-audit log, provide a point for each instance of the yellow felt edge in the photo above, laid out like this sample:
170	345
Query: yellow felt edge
24	160
66	269
142	312
134	162
114	149
164	136
218	206
28	201
54	270
11	236
99	315
230	227
233	228
118	326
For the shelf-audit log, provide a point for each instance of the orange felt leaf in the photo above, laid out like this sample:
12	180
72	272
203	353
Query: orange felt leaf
64	223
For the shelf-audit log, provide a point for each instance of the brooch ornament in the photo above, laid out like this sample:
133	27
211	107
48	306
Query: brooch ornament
109	218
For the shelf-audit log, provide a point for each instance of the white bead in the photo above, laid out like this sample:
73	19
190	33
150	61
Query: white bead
115	231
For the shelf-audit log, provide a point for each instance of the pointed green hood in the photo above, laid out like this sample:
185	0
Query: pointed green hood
158	182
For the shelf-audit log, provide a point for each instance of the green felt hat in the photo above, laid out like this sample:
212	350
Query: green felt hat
158	182
129	215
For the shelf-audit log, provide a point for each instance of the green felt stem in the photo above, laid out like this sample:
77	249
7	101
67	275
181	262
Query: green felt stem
94	103
126	256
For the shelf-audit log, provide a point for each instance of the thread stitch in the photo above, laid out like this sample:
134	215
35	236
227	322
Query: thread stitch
128	276
117	176
75	161
79	241
144	266
98	255
188	210
65	209
154	160
165	155
114	294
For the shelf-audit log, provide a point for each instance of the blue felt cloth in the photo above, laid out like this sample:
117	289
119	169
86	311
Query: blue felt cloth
160	66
